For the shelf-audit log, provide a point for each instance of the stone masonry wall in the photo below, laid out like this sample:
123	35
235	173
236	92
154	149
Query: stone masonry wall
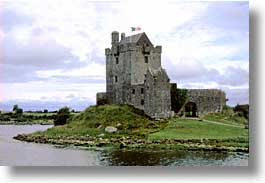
207	100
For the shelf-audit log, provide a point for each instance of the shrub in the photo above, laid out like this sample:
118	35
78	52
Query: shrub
19	111
15	107
62	115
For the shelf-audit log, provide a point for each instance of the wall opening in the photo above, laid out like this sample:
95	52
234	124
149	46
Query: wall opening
146	59
191	109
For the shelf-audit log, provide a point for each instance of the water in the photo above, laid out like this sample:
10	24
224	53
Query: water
17	153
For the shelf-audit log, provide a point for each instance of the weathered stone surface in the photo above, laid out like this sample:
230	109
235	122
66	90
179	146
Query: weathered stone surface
110	129
134	76
206	100
127	65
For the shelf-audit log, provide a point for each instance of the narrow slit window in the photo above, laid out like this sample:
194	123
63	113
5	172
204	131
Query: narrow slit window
146	59
116	79
142	102
133	91
142	90
117	60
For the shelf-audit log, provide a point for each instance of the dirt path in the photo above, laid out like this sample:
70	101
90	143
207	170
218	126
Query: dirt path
218	123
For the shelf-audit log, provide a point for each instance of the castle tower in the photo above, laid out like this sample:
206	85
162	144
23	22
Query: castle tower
114	38
134	76
127	63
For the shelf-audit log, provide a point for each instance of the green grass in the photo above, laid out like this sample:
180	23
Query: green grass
194	129
227	116
94	119
132	122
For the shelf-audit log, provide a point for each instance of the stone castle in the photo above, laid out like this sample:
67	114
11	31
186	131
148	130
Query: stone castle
134	76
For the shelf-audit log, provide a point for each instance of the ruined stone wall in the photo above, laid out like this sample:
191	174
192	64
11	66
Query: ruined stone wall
207	100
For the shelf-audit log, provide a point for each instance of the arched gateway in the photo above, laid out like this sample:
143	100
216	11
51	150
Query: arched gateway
191	109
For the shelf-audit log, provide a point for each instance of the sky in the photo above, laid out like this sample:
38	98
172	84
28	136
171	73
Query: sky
53	50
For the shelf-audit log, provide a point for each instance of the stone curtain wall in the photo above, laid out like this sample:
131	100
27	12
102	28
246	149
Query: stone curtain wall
207	100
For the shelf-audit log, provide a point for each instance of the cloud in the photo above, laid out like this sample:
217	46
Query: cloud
39	52
60	44
12	18
231	16
237	96
193	71
17	74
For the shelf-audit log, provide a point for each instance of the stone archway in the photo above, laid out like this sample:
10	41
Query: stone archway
191	109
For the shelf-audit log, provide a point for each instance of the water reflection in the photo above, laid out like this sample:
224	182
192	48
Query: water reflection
149	157
17	153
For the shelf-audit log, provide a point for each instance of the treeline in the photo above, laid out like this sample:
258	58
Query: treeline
18	116
10	116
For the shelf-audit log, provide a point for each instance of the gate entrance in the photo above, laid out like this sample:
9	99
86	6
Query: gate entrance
191	109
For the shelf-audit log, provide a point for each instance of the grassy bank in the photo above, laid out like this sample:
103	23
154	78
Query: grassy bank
228	116
134	129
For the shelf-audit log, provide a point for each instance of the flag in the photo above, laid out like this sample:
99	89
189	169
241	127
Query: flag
136	28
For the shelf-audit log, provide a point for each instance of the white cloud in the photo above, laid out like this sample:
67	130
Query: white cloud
198	41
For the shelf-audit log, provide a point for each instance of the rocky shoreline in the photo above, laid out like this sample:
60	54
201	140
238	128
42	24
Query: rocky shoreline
128	142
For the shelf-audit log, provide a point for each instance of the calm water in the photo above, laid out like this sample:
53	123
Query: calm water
17	153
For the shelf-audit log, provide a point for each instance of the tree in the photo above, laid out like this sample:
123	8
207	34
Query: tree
19	111
45	110
62	115
15	107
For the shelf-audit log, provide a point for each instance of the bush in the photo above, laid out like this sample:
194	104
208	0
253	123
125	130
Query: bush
62	115
19	111
15	107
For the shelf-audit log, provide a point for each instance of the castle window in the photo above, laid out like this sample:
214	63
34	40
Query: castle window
146	59
133	91
142	90
116	79
142	102
117	60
